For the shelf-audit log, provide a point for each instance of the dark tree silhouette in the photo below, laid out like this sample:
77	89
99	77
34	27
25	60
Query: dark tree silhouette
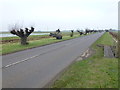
57	34
23	34
87	31
58	31
81	33
106	30
72	31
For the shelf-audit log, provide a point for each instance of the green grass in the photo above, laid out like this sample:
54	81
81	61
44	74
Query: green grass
94	72
31	36
13	47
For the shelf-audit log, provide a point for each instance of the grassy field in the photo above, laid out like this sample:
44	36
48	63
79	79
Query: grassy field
93	72
31	36
13	47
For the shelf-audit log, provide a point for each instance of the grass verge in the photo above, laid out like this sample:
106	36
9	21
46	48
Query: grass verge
13	47
15	37
93	72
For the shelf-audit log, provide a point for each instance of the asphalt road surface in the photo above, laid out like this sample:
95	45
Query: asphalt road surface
34	68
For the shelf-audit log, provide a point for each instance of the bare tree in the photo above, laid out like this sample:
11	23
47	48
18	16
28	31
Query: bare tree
81	33
58	31
23	34
57	34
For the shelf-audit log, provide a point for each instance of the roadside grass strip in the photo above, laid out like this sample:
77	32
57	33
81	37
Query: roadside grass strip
93	72
14	47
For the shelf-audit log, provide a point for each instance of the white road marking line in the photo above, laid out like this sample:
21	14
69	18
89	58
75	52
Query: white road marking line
29	58
19	61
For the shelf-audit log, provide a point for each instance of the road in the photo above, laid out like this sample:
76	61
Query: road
34	68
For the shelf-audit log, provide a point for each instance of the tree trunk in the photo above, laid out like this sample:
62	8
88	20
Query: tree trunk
71	35
24	40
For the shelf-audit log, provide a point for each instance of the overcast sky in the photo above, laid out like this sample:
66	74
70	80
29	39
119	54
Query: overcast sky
63	14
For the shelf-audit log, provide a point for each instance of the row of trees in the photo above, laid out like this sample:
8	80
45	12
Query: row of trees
87	31
24	33
58	34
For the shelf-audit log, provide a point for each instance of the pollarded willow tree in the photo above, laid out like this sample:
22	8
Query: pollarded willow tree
23	34
81	33
57	34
